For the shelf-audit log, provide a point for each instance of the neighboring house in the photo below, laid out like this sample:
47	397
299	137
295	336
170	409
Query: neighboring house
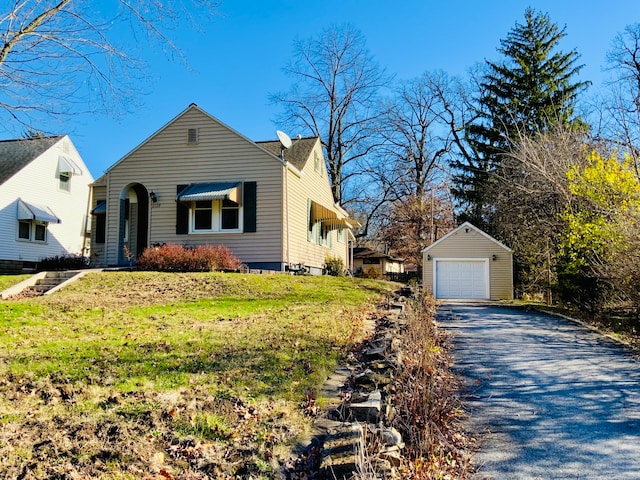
366	260
44	201
467	263
197	181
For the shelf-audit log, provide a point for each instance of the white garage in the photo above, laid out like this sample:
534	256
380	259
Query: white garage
469	264
462	278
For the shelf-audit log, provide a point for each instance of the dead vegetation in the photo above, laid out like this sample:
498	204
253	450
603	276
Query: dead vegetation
196	408
427	402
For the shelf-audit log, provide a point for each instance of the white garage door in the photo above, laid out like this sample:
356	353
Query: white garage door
462	279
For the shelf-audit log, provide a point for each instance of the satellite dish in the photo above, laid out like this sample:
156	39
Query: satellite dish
284	139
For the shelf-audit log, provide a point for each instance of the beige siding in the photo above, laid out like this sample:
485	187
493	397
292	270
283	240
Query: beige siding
470	244
313	184
165	160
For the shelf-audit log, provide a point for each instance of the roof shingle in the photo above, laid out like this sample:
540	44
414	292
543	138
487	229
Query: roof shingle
297	154
17	154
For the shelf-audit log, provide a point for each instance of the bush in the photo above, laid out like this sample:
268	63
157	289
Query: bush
64	262
371	272
177	258
334	266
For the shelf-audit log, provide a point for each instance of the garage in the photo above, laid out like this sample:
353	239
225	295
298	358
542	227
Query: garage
462	279
468	264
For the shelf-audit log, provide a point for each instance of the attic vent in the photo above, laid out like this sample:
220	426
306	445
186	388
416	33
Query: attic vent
192	136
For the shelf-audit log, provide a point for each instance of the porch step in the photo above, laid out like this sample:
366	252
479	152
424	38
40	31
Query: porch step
43	283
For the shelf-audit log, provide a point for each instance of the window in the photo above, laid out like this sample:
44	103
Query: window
203	215
99	213
32	231
316	163
371	261
40	232
24	230
230	215
64	183
216	207
208	216
101	228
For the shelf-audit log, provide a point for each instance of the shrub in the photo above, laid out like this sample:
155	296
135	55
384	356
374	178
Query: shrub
371	273
64	262
334	266
177	258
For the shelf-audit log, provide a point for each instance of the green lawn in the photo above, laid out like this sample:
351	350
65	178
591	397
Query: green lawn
161	360
7	281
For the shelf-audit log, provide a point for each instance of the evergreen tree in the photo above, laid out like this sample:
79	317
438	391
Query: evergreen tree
530	91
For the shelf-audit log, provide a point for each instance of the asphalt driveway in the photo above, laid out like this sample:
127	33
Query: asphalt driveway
547	397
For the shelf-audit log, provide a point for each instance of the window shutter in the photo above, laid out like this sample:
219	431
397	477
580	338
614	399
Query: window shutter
182	213
309	224
249	207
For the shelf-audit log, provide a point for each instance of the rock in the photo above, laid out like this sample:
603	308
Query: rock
339	454
368	410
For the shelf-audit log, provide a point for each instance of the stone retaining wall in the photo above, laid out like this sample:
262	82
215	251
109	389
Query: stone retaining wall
353	437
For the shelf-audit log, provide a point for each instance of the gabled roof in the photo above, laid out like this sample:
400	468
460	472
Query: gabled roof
192	106
297	154
363	252
470	226
17	154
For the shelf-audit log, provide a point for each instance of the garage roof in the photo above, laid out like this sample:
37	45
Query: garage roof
467	225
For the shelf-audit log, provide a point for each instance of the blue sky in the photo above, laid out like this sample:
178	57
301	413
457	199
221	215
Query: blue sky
236	61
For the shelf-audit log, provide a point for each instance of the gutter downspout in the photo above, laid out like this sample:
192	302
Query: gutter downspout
86	219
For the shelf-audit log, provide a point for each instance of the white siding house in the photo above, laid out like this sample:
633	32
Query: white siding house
196	181
44	200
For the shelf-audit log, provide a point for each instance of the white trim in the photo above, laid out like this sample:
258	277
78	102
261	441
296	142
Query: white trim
472	227
487	275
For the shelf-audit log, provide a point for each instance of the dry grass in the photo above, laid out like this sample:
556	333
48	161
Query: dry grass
169	376
429	410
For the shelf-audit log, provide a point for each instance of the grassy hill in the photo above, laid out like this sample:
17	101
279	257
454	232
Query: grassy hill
132	375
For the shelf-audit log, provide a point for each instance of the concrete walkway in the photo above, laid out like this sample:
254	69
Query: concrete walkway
548	398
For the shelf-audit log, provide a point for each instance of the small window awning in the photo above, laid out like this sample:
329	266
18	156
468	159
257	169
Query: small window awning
211	191
320	213
29	211
329	218
100	208
341	223
66	165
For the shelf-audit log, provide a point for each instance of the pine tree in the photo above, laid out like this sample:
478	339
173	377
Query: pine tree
530	91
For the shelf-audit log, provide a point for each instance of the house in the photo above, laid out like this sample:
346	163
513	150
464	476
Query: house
467	263
197	181
44	201
378	264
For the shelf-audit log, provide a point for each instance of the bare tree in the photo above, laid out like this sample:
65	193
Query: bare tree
531	191
416	130
623	102
334	96
63	57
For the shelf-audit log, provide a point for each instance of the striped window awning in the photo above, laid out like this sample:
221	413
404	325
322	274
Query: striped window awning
29	211
211	191
341	223
329	218
320	213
